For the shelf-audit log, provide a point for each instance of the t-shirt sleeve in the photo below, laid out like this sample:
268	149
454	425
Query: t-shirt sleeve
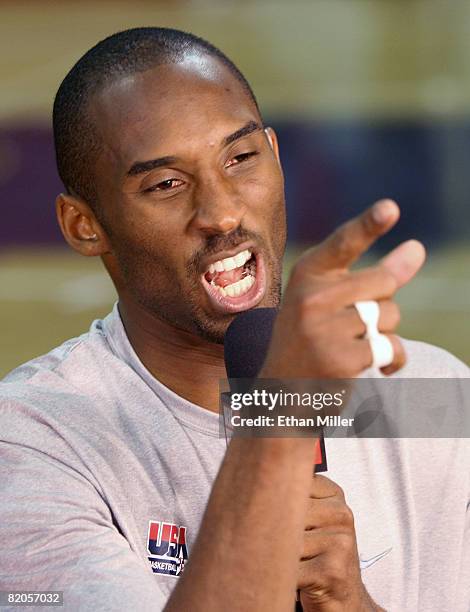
57	533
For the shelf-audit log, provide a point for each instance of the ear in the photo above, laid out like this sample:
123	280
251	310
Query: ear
80	227
273	143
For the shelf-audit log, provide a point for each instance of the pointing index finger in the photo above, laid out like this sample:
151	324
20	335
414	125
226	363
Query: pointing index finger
346	244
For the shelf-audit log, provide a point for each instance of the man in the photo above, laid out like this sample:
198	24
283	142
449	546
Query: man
113	471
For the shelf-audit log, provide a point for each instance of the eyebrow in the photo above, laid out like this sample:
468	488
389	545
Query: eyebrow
151	164
251	126
160	162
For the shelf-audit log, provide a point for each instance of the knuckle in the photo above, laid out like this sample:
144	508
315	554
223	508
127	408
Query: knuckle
330	488
343	242
335	576
303	577
368	224
344	544
314	301
337	490
346	516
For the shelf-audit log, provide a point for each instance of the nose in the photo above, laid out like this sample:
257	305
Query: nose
218	208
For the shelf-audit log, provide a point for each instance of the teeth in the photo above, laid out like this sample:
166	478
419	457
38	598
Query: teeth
240	287
230	263
240	259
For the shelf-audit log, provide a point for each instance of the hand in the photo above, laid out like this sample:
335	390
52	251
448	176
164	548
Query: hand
318	332
329	574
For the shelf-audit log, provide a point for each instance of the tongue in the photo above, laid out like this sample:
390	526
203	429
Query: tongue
222	279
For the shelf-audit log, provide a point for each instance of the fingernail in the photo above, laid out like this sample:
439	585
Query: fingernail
382	211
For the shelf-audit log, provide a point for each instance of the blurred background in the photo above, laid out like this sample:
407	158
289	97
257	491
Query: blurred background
370	98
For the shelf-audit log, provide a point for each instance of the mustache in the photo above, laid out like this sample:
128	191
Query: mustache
221	242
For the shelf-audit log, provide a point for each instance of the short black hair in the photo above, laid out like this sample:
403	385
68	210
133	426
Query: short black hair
122	54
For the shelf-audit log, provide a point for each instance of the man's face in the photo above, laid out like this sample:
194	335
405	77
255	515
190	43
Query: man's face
191	195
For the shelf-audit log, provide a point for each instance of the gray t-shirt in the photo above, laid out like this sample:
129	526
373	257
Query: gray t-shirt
105	474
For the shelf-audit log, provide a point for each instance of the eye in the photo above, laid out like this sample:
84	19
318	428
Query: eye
164	185
238	159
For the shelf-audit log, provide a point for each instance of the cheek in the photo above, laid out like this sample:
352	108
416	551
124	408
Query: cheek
268	200
265	195
146	230
147	256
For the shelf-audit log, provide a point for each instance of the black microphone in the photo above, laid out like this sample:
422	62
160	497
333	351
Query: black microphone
245	348
247	341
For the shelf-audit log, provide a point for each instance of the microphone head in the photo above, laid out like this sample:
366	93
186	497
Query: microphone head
246	342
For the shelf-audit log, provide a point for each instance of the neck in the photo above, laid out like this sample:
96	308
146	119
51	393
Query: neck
185	363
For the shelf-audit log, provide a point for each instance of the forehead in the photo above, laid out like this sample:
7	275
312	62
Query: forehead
170	110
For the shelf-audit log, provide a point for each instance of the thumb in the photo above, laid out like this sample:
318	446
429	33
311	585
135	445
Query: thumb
405	261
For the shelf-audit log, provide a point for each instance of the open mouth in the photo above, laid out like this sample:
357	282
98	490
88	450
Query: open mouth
236	283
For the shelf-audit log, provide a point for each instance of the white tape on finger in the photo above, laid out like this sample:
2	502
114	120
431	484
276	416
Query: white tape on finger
382	351
380	346
369	313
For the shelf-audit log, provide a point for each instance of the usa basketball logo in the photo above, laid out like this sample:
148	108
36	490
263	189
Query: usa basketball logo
167	548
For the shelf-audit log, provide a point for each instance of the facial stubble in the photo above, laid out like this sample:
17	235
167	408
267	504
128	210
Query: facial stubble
181	307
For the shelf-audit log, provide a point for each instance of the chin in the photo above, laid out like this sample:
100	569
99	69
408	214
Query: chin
214	328
213	332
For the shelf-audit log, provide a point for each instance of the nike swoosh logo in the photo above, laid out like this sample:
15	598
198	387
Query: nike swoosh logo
365	563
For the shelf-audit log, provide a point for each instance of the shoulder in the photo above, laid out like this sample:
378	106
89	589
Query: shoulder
70	384
86	365
66	367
